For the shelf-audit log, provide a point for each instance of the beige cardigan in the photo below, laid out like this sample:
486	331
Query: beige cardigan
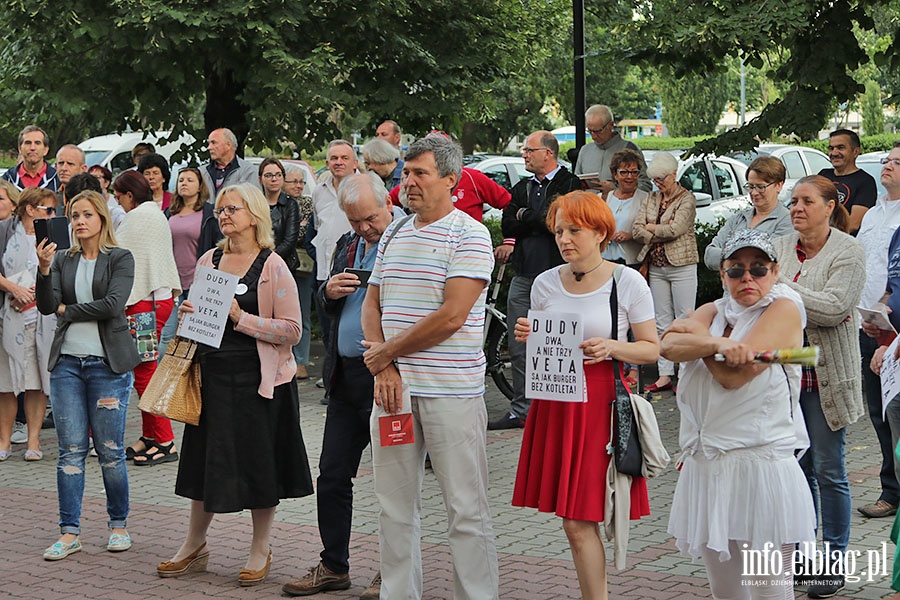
676	229
831	284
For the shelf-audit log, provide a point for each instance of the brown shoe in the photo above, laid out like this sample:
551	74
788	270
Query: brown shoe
373	592
878	509
196	562
247	577
319	579
301	372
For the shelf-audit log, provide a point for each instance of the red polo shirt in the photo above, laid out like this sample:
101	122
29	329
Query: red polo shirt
31	181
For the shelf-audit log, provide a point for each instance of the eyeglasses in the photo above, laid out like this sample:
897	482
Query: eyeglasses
600	129
757	187
756	271
272	175
527	150
628	172
51	210
891	161
228	210
294	181
659	180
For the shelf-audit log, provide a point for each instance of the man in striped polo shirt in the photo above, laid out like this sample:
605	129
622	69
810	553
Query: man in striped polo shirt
423	319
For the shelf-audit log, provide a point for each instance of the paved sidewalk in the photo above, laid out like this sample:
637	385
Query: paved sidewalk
534	558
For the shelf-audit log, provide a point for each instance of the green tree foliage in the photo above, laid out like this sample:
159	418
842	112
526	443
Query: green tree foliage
697	36
277	71
692	104
872	110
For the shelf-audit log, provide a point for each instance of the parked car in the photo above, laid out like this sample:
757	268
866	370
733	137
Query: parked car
870	162
799	161
113	151
506	171
718	184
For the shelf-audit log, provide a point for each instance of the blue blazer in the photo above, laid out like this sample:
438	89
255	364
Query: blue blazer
113	277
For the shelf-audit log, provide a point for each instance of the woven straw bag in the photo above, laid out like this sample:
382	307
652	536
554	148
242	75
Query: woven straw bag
174	389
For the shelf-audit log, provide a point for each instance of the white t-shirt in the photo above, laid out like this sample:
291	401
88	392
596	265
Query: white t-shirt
411	279
635	301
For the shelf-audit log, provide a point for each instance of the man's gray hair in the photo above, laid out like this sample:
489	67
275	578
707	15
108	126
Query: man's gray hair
380	152
350	188
447	155
600	111
334	143
229	135
31	129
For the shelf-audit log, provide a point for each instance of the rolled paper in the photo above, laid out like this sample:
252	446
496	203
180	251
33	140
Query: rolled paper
807	356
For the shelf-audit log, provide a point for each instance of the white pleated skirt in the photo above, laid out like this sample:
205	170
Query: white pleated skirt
754	495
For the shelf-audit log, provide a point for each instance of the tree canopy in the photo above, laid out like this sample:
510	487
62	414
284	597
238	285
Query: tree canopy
813	43
277	71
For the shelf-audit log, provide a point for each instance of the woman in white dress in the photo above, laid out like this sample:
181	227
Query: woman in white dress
740	485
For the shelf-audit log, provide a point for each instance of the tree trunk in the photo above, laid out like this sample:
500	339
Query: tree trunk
223	106
468	137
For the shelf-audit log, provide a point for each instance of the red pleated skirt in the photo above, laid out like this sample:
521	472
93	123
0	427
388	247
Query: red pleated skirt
563	461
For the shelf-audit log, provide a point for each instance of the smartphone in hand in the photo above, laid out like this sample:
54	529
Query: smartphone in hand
362	274
55	230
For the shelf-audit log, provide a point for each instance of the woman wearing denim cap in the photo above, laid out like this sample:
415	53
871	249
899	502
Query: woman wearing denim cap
740	485
90	364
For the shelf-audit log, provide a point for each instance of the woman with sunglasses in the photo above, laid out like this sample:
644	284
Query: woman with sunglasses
25	334
740	486
827	268
765	178
665	226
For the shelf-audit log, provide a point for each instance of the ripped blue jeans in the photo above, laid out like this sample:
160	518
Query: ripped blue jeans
86	396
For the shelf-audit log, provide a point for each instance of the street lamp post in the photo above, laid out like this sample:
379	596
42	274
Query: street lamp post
578	51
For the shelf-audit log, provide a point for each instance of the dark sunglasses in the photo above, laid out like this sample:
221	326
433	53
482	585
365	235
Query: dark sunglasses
756	271
50	209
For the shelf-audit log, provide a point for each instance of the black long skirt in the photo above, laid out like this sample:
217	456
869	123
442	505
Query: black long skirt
248	451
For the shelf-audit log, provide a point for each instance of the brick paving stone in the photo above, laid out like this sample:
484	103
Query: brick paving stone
534	557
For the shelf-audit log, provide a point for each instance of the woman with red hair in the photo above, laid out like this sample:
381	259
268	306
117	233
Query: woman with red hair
564	461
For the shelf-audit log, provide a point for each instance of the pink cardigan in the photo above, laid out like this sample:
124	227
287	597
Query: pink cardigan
277	328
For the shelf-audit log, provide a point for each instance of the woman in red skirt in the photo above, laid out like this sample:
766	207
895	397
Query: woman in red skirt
563	462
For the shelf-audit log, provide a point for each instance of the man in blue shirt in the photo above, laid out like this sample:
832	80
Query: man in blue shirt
350	386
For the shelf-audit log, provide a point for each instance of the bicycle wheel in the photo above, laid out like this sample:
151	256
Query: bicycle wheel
496	351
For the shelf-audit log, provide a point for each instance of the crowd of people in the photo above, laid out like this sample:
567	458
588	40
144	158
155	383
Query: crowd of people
397	261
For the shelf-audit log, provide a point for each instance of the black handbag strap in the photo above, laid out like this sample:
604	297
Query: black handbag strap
618	373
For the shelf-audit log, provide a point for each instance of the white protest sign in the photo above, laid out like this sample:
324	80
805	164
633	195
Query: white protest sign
554	368
890	377
211	294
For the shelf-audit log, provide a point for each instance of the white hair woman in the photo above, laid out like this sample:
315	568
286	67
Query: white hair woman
665	226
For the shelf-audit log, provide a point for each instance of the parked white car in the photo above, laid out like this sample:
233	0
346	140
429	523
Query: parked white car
870	162
717	183
113	151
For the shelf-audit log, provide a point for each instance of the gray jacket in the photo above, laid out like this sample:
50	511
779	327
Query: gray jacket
776	224
113	276
246	172
831	284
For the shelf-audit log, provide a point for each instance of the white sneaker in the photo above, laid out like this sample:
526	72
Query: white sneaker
19	433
